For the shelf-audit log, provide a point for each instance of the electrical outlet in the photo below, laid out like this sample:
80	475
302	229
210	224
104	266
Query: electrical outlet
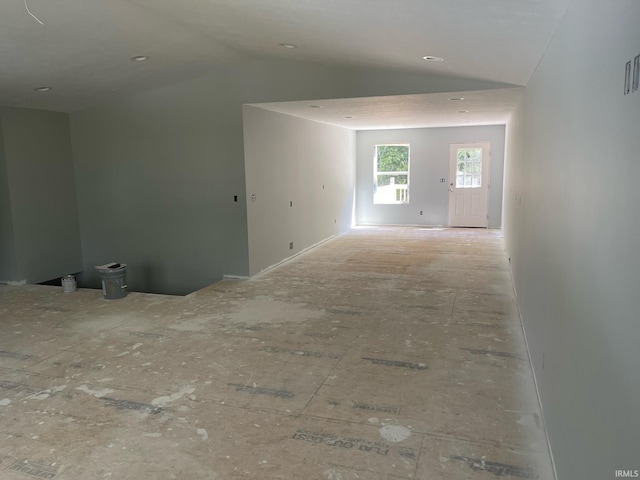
291	203
290	245
253	197
442	180
420	212
235	198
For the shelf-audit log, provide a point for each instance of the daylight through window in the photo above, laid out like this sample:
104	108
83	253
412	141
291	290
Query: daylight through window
469	171
391	174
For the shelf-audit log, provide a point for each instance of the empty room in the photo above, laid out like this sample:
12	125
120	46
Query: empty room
343	240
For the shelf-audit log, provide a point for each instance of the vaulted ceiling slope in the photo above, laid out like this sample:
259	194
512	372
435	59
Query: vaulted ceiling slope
83	49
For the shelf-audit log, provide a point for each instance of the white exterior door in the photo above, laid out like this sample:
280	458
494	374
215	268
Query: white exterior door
469	185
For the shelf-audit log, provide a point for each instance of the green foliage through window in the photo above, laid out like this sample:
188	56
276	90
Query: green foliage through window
393	158
391	168
469	174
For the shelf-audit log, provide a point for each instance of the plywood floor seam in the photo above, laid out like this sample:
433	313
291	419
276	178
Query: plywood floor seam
384	353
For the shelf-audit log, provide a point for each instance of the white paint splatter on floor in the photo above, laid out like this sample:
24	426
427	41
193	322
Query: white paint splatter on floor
527	421
203	433
43	395
265	309
394	433
4	402
333	474
96	393
162	401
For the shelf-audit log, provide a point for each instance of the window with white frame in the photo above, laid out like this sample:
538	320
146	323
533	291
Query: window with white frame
391	174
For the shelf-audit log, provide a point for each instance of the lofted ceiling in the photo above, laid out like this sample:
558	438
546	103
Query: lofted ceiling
83	48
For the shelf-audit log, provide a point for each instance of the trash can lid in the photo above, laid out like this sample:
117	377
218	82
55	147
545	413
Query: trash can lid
111	266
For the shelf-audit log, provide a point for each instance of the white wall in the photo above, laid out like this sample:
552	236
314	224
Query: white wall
40	239
572	230
429	163
157	171
302	174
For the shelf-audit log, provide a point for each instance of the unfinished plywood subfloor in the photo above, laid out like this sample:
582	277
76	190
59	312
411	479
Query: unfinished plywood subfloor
385	353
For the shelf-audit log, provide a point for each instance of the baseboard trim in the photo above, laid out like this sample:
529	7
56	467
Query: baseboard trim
235	277
304	250
535	379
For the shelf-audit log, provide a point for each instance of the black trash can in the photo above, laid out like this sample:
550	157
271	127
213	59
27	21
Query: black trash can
114	280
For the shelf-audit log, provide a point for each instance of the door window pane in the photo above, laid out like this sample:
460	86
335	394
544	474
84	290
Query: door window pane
469	174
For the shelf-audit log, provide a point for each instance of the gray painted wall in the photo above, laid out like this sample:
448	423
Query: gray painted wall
8	259
156	176
303	176
157	172
572	228
41	193
429	162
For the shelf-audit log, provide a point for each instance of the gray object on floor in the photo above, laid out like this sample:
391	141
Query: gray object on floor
114	280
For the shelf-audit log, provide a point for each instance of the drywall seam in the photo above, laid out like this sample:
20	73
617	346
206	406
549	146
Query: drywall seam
551	40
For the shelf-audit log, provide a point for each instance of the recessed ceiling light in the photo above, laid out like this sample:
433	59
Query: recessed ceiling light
431	58
315	106
463	111
456	99
42	89
288	45
348	117
140	58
